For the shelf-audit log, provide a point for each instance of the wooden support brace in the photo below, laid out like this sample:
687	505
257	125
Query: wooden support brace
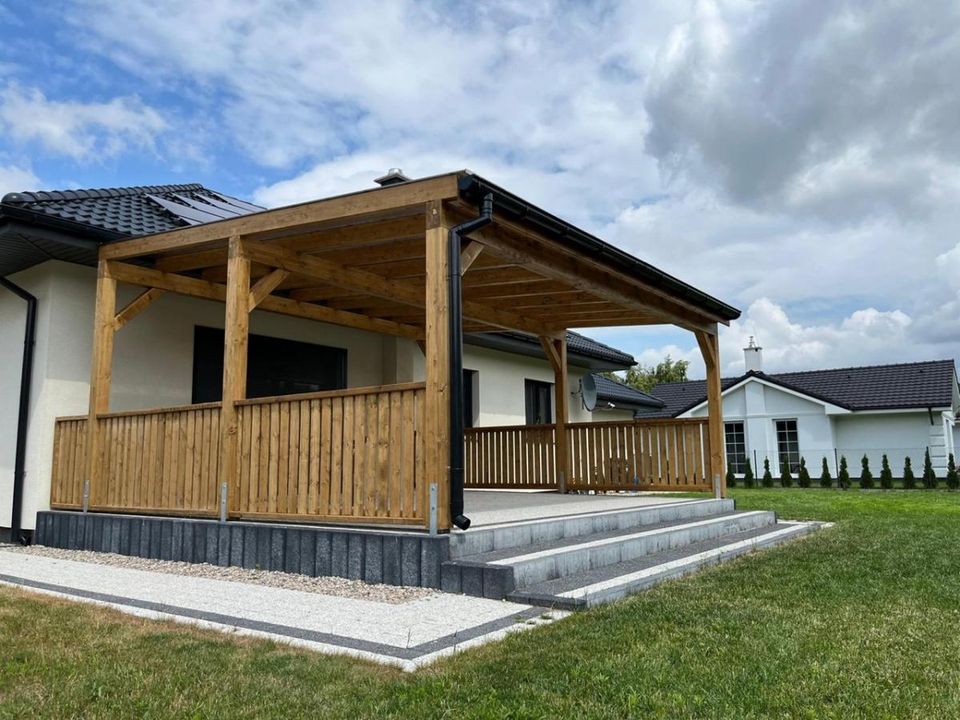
137	306
266	285
470	252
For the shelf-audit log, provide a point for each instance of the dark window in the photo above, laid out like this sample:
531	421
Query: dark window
788	445
274	366
469	397
736	446
539	397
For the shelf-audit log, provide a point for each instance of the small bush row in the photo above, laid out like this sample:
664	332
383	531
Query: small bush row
866	480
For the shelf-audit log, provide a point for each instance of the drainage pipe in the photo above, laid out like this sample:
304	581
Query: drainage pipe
26	377
454	285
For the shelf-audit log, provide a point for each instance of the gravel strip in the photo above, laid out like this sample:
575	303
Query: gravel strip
340	587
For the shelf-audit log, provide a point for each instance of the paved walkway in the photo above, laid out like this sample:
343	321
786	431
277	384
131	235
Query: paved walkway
407	635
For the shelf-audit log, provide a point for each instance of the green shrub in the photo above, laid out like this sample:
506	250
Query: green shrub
843	477
886	474
953	476
786	479
909	479
731	478
749	480
866	477
826	480
767	477
803	475
929	476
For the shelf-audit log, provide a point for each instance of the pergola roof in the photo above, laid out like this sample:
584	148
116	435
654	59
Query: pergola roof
359	259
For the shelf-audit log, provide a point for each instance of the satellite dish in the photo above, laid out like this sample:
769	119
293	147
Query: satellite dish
588	392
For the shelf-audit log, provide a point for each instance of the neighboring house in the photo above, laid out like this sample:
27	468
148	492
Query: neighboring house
173	354
901	410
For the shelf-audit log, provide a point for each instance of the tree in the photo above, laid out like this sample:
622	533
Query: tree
953	476
731	478
909	479
929	476
803	475
843	476
786	479
866	477
749	480
767	477
886	474
667	370
825	479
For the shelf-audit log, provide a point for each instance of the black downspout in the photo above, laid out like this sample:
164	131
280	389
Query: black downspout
26	378
456	358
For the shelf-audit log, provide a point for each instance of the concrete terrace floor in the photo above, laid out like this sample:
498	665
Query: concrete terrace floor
494	507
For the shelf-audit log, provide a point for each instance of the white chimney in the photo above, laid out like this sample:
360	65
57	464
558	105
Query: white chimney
753	356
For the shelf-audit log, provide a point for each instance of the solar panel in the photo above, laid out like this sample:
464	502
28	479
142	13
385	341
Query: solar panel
185	213
243	205
205	206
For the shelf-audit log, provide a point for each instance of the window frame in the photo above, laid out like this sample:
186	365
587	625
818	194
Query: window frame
738	467
784	451
537	389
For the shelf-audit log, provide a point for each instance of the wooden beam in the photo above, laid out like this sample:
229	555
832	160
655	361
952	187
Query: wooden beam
436	434
287	218
710	349
136	275
469	254
555	349
137	306
376	285
235	347
264	286
101	368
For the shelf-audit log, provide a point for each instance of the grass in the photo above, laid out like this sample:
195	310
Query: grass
858	621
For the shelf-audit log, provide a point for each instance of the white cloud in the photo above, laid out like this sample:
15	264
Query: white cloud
79	130
16	179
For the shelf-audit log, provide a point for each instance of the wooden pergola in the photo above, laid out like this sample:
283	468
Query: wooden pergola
378	260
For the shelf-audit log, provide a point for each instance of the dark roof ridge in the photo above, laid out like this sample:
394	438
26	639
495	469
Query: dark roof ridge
93	193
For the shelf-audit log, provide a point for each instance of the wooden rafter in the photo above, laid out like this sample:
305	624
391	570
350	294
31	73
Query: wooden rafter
264	286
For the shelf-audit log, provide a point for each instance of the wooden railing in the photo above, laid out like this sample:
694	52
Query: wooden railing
162	461
516	456
346	455
352	454
641	455
628	455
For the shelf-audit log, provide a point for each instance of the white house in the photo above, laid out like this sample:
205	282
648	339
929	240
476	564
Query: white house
901	410
48	251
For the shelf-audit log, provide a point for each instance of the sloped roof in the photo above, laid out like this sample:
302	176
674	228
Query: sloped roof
874	387
618	393
69	225
577	346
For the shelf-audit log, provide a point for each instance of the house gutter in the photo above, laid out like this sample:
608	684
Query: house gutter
454	285
26	377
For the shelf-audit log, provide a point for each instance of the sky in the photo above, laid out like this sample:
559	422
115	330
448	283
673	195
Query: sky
799	160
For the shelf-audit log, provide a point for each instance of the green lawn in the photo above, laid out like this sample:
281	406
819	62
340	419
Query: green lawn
860	620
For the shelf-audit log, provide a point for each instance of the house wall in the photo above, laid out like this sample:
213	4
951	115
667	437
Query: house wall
153	365
899	434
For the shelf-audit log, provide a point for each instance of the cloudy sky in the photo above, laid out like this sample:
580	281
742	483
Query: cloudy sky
800	160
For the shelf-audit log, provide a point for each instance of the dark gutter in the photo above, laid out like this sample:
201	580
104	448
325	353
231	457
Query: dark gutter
473	187
34	217
456	357
26	377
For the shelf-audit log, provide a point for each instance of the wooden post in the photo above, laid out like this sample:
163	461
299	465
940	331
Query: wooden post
236	338
436	423
710	349
101	369
556	351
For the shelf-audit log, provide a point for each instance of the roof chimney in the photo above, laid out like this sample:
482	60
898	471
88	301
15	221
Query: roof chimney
753	356
394	176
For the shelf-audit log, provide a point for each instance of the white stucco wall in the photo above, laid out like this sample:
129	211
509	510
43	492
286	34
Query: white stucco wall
897	434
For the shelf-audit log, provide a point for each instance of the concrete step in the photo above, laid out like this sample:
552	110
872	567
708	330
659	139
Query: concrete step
498	573
616	581
530	533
